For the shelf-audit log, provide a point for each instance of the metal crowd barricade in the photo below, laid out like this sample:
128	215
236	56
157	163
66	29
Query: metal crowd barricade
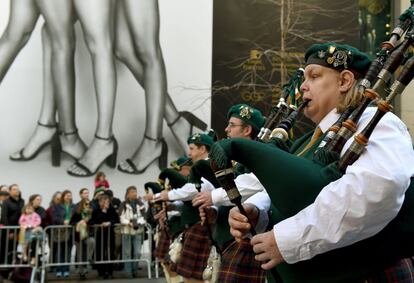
60	242
12	258
96	248
146	254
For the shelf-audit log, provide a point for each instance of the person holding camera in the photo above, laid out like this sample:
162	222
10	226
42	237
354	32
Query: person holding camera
132	220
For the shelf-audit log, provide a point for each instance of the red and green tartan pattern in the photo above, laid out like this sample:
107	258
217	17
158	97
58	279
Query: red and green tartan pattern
195	252
163	247
401	272
238	264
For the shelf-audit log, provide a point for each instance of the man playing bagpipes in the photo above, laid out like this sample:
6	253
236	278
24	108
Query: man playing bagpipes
163	236
196	244
170	222
237	259
355	226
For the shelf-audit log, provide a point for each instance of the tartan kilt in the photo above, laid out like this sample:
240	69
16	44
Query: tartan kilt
195	252
163	247
238	264
400	272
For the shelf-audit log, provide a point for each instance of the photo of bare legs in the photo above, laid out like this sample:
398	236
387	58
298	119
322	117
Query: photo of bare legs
59	18
23	17
137	45
95	18
58	58
45	132
22	20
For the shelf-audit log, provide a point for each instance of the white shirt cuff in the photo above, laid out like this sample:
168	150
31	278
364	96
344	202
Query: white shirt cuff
288	236
217	196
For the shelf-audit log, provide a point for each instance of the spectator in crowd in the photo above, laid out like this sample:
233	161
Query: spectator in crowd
84	194
14	205
105	216
132	220
84	240
3	234
56	199
36	202
100	181
29	223
4	188
116	203
61	237
98	192
3	213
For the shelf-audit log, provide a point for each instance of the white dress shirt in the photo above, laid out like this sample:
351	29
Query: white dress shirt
189	191
362	202
248	185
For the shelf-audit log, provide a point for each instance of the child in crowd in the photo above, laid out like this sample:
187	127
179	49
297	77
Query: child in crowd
101	182
29	223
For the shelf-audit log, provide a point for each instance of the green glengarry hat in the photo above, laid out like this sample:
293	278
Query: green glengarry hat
176	180
201	138
181	161
247	114
338	57
154	186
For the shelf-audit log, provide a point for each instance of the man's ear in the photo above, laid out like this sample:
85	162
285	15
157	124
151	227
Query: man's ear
247	130
205	150
346	81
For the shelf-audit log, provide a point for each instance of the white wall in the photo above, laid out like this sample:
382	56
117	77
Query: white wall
186	38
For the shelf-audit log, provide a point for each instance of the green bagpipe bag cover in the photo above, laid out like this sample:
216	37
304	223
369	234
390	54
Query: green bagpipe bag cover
292	182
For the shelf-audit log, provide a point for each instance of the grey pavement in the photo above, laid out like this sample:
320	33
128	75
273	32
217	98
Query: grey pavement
92	277
140	280
119	276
